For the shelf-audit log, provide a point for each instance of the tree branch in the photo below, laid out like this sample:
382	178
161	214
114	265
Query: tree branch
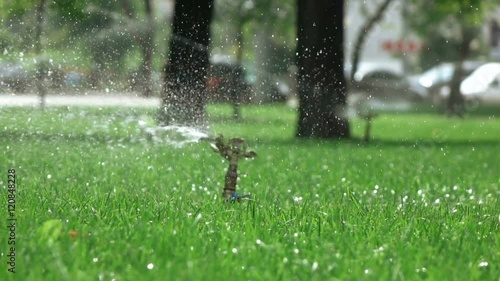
362	34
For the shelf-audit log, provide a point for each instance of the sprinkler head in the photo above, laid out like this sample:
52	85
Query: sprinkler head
236	197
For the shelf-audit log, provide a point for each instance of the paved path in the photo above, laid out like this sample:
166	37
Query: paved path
93	99
115	99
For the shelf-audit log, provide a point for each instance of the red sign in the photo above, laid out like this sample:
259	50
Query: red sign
400	46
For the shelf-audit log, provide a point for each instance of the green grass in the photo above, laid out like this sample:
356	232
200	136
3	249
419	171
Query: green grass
419	202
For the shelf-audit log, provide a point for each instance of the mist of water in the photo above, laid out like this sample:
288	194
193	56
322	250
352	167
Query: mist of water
173	135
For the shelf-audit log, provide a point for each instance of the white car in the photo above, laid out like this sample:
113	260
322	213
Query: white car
434	84
483	84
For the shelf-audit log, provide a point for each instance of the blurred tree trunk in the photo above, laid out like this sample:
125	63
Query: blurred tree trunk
456	101
184	93
41	64
147	51
236	97
262	49
321	81
363	33
145	43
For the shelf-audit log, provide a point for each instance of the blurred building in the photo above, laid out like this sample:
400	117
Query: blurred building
164	9
391	45
388	44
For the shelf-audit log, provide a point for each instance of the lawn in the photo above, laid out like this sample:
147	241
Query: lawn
96	200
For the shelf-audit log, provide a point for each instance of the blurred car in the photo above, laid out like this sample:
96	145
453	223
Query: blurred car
383	83
226	83
483	84
433	83
229	81
14	77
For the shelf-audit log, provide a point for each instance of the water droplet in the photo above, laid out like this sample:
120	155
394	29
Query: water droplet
198	218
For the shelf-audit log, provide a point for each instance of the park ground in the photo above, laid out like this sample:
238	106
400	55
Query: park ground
97	199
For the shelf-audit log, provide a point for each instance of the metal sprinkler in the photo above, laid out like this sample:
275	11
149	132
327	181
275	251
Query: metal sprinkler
232	150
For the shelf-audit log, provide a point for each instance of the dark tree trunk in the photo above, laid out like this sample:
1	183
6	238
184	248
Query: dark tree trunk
456	102
321	81
41	63
363	33
184	93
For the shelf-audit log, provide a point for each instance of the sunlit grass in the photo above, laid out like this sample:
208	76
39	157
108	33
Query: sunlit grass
420	201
